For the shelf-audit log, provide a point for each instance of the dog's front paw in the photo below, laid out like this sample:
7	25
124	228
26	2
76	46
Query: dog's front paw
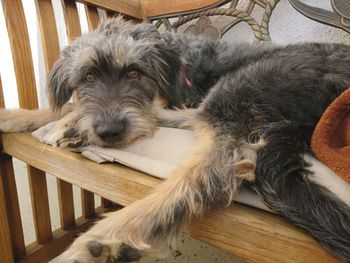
65	135
94	249
61	136
71	138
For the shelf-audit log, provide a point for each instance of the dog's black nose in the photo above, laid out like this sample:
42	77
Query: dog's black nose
110	132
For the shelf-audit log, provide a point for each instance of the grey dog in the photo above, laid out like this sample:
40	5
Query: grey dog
252	106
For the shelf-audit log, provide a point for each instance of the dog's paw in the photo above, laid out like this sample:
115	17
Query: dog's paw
71	138
60	136
96	249
66	138
64	134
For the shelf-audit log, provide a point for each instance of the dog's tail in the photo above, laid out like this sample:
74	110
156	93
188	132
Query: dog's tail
20	120
286	187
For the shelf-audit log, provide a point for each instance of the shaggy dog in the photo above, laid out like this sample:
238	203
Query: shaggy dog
254	108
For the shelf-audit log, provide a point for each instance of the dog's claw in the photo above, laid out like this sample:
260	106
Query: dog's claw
72	139
75	144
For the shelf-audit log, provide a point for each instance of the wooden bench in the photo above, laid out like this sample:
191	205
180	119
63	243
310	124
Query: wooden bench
252	234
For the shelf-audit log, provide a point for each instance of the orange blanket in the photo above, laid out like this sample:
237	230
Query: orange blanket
331	138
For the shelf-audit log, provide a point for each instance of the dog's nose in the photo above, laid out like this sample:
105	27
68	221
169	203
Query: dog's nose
110	132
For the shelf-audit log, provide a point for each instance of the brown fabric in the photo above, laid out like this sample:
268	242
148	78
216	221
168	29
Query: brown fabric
331	138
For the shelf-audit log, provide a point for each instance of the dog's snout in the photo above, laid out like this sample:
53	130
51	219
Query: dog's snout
110	132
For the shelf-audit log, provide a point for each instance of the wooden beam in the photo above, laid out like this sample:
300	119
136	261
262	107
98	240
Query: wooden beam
153	8
128	7
257	236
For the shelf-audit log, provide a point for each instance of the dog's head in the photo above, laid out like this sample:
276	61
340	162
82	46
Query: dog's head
118	80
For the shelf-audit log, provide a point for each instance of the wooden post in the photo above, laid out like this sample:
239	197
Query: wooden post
6	250
40	204
10	198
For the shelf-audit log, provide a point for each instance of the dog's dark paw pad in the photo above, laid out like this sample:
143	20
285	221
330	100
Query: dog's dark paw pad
95	248
128	254
75	144
70	133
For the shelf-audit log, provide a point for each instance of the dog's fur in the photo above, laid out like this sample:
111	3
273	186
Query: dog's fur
255	107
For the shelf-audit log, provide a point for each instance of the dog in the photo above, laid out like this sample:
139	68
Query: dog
253	108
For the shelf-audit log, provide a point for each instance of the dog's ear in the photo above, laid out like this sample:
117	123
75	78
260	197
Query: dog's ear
168	67
58	86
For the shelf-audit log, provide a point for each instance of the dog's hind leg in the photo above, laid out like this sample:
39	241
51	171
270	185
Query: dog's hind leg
20	120
285	184
206	178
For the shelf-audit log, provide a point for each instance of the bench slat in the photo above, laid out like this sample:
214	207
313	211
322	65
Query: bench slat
21	53
66	204
128	7
48	30
154	8
105	203
40	204
257	236
12	204
71	19
5	240
87	203
92	17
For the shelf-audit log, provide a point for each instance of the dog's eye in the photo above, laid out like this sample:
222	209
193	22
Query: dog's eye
134	74
89	77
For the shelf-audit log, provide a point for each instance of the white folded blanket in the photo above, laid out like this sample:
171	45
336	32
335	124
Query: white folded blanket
168	148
